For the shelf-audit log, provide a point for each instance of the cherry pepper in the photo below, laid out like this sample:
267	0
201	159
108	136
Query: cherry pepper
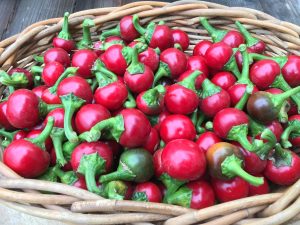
266	107
151	102
25	109
130	128
134	165
232	124
195	195
220	56
212	99
225	161
4	123
284	167
147	192
125	29
64	39
231	38
17	78
291	135
116	189
157	36
86	41
138	77
253	44
27	157
182	94
91	160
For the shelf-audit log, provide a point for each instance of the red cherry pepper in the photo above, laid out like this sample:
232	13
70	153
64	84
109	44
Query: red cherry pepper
212	99
224	80
150	58
231	38
70	178
51	72
198	81
125	29
26	156
130	128
157	36
183	93
57	55
221	57
152	141
229	190
284	167
197	63
201	47
90	160
35	133
207	139
138	77
182	161
225	161
38	91
147	192
58	115
259	190
50	98
180	37
253	44
11	136
232	124
173	62
4	123
64	39
84	60
116	59
195	195
89	115
177	127
151	102
25	109
157	163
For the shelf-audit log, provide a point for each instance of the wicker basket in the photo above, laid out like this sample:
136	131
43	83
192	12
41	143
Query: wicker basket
70	204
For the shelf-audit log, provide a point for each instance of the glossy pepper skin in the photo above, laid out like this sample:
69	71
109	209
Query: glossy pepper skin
148	192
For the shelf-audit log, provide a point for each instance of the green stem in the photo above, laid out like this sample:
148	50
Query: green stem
242	102
182	197
209	89
135	66
68	148
279	99
71	104
8	135
163	71
130	102
244	79
137	26
36	69
86	41
70	71
38	58
250	40
232	66
42	137
64	33
282	157
117	175
16	80
216	34
281	60
68	178
293	126
200	120
189	81
171	184
232	166
58	136
152	96
115	190
112	32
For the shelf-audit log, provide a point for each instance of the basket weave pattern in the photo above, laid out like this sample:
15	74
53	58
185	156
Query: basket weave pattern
70	204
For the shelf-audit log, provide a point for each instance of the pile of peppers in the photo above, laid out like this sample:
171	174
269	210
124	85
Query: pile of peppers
133	116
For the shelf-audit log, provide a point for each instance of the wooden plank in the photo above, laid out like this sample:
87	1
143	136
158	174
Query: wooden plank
7	12
31	11
90	4
293	7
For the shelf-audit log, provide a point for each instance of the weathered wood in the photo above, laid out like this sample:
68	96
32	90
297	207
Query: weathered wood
7	12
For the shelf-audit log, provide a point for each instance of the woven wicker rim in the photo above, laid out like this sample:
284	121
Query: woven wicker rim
69	204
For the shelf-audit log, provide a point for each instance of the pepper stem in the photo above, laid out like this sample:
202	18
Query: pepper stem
152	96
279	99
70	103
250	40
282	157
182	197
58	136
41	138
64	33
8	135
200	120
171	184
232	166
232	66
216	34
112	32
209	89
38	58
70	71
135	66
68	148
86	41
293	126
242	102
16	80
36	69
130	102
189	81
244	79
163	71
137	26
125	175
65	177
115	189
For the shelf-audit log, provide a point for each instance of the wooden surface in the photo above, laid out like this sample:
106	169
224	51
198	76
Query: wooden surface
18	14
